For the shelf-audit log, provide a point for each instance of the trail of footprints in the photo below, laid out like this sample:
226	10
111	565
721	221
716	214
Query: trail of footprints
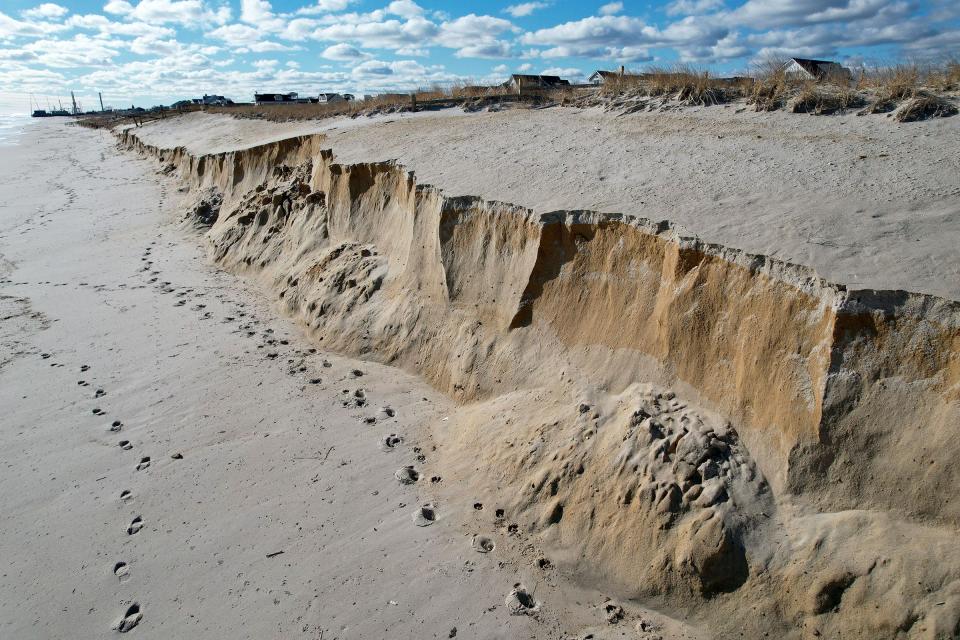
518	601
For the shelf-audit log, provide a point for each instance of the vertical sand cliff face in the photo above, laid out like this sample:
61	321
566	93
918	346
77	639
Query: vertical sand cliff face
559	334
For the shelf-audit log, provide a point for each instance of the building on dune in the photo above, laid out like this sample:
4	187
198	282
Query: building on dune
280	98
601	76
331	98
522	81
807	69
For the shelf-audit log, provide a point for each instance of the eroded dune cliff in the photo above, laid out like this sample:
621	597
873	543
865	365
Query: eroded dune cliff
684	423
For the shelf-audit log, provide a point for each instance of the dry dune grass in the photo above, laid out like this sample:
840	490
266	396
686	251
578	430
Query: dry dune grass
824	98
684	83
924	105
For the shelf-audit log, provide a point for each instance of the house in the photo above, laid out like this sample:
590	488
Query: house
329	98
806	69
602	77
217	101
519	80
277	98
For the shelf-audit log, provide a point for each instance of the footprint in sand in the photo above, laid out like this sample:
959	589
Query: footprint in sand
407	475
144	463
126	495
122	571
99	393
130	619
99	412
390	442
116	425
520	601
84	367
425	515
135	525
125	445
482	544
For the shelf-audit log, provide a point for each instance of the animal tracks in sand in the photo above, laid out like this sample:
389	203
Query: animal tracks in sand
144	463
390	442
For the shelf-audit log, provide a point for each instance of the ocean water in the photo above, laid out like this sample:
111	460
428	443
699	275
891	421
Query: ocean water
11	127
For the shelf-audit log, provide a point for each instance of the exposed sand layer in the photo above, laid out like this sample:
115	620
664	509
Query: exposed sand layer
865	201
683	423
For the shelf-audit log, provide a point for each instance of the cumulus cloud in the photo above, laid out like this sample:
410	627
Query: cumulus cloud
565	72
525	8
344	52
324	6
118	7
405	8
47	10
492	49
188	13
692	7
611	8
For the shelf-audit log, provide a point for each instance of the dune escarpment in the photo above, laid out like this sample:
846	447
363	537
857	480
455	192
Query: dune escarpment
811	429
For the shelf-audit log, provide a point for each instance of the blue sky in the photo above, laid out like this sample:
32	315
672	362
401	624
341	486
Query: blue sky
146	52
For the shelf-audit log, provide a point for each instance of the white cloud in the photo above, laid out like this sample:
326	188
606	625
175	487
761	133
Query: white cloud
526	66
405	8
492	49
118	7
777	13
472	30
693	7
325	6
567	72
46	10
189	13
611	8
255	11
525	9
236	34
344	52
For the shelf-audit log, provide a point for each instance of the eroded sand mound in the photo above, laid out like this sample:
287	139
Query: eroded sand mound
793	400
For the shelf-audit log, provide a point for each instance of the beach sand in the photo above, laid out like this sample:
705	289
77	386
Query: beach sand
111	316
593	426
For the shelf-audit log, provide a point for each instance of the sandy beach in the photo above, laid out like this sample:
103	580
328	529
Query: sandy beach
269	506
441	375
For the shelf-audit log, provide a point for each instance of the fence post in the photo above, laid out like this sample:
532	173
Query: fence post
413	100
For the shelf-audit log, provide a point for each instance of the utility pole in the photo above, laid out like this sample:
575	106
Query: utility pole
100	93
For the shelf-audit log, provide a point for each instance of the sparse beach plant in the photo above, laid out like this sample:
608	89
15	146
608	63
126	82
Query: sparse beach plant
771	86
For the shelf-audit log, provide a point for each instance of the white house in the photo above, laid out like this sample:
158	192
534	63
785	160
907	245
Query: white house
806	69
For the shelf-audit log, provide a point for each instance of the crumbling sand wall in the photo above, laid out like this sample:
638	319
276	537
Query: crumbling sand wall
848	399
